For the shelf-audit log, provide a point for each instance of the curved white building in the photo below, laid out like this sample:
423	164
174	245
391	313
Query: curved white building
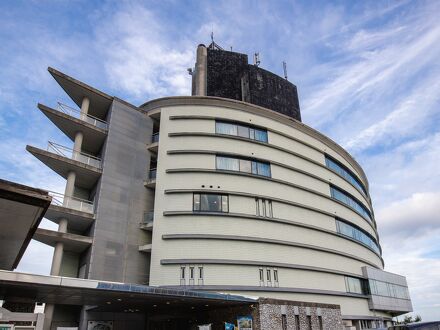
249	201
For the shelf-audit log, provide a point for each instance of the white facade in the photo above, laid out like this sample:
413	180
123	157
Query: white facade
289	250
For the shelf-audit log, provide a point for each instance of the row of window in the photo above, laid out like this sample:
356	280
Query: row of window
243	165
245	131
388	289
266	278
263	208
350	201
344	172
374	287
357	234
191	275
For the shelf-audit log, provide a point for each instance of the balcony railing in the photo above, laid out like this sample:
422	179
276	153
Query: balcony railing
83	116
152	174
74	154
155	138
72	202
148	218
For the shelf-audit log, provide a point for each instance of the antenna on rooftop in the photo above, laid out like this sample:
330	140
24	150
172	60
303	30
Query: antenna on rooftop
285	69
257	59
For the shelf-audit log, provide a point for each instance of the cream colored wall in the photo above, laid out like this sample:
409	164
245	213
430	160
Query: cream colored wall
264	122
239	250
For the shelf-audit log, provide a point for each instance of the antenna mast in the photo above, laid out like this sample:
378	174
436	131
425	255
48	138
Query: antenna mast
257	59
285	69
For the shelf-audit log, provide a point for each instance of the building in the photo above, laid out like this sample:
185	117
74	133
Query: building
216	194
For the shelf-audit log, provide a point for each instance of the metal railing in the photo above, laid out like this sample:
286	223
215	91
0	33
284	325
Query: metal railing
148	218
74	154
152	174
72	202
83	116
155	138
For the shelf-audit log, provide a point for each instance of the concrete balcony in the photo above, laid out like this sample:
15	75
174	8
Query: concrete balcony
70	121
72	242
63	160
154	145
145	248
78	212
147	221
150	182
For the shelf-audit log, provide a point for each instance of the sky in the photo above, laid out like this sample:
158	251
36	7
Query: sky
367	72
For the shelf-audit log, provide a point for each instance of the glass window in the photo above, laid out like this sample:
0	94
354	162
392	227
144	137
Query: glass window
243	131
245	166
227	163
345	173
225	128
354	285
260	135
196	202
261	275
182	272
357	234
201	272
349	201
275	275
268	275
210	203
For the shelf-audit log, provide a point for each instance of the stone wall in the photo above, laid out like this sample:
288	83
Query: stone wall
308	314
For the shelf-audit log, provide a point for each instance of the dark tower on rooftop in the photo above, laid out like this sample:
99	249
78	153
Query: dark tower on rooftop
228	74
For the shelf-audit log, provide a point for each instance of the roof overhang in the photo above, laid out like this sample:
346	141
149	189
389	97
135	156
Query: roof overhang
77	90
21	211
110	296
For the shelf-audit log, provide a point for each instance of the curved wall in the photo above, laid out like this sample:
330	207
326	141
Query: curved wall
298	241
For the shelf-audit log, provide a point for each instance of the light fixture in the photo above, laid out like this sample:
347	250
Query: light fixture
119	299
168	303
108	302
154	305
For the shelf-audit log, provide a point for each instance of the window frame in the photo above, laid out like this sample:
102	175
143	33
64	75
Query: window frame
252	130
256	166
360	186
222	197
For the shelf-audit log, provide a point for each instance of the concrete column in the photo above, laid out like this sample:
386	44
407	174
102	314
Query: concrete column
85	105
48	316
77	144
201	71
70	185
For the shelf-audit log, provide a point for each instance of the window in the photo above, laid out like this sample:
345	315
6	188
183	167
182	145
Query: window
283	322
261	273
268	277
356	285
182	275
357	234
320	322
263	208
350	201
297	322
243	165
343	171
191	275
210	203
245	131
201	272
380	288
275	277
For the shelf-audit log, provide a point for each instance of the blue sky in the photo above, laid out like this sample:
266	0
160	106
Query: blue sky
368	75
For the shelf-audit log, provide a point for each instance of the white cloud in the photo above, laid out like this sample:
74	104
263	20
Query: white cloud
139	57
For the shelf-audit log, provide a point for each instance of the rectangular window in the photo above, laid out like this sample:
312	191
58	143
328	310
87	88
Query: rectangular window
268	275
261	273
257	207
200	272
284	322
350	202
227	163
191	273
243	165
225	128
275	275
270	211
182	272
297	326
355	285
244	131
210	203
